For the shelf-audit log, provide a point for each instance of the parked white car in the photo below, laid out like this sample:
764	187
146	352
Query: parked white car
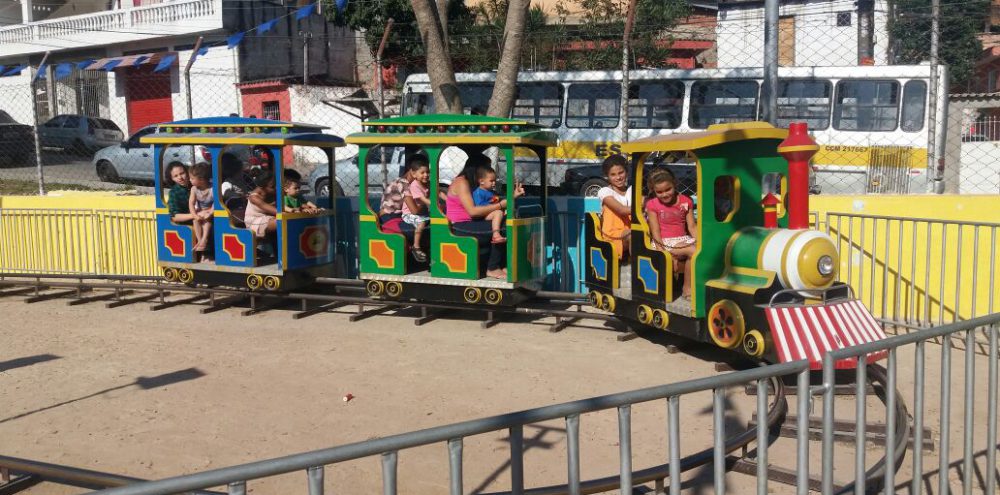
131	160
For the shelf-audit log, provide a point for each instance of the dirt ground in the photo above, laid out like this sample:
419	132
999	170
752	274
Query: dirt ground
157	394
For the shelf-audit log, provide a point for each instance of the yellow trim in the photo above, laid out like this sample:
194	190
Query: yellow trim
446	139
216	139
296	216
162	211
739	270
367	218
801	147
517	222
223	213
513	250
168	124
439	221
719	284
715	135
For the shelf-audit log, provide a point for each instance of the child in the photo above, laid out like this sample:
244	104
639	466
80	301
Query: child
201	203
616	204
484	195
671	221
292	201
416	202
261	214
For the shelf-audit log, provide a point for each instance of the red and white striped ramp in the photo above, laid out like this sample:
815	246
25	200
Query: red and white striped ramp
809	332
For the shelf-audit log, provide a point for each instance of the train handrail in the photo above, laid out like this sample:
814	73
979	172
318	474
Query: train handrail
821	294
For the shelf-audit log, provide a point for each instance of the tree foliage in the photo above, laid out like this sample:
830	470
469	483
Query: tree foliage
959	24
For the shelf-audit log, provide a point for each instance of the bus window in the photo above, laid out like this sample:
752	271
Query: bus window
720	102
655	105
475	100
593	105
540	103
804	100
866	106
914	99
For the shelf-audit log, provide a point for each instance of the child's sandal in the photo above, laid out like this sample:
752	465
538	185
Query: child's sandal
419	255
498	239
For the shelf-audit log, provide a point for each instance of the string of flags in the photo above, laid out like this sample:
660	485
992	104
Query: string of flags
163	60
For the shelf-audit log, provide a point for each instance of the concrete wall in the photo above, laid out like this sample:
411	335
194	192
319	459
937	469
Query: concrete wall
818	39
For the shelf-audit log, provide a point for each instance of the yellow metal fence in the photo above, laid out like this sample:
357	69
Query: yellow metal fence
77	241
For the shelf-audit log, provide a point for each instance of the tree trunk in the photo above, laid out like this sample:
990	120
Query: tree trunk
505	88
439	68
442	8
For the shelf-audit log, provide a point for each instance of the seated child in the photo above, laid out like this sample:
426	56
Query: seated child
261	214
201	203
416	201
292	201
484	195
671	221
616	204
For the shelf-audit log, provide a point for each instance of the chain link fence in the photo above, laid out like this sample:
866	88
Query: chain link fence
888	120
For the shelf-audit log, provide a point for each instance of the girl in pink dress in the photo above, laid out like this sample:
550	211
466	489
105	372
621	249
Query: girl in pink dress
670	216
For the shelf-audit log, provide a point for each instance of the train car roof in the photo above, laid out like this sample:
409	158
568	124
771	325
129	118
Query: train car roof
714	135
239	130
452	129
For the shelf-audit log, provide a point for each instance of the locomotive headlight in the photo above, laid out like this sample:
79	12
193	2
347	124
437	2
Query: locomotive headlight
825	265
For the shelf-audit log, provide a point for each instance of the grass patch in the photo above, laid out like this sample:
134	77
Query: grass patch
16	187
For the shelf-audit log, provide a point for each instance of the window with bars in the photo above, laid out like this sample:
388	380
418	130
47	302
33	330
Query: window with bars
271	110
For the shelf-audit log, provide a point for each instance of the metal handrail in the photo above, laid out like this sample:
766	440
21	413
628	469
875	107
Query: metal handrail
446	433
821	293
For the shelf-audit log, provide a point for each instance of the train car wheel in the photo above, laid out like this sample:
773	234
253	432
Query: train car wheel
393	289
185	276
254	281
374	288
660	319
594	298
644	314
170	274
493	296
472	295
272	283
608	303
753	343
725	324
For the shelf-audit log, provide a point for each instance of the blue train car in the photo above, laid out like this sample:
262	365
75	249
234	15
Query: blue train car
251	241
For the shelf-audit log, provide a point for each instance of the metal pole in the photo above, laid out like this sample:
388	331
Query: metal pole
34	125
381	93
187	86
625	66
769	90
306	36
937	183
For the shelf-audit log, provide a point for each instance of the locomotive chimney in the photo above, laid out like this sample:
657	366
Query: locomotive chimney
798	148
770	204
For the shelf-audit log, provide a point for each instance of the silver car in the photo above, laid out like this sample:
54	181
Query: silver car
79	133
133	161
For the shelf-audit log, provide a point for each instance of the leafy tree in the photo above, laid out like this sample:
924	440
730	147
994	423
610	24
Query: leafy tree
910	34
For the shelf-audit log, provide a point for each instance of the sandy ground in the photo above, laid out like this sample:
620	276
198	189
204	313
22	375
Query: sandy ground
157	394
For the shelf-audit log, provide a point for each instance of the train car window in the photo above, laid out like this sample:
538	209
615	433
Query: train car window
727	197
655	105
804	100
914	101
418	103
774	183
721	102
866	105
593	105
527	172
540	103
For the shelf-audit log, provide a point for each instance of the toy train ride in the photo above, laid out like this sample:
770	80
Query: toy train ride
762	283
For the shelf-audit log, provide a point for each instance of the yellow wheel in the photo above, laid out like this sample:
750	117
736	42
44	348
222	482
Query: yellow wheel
170	274
493	296
753	343
725	324
608	303
254	281
374	288
272	283
594	298
393	289
644	314
472	295
185	276
660	319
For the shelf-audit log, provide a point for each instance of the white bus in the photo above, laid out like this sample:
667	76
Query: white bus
872	122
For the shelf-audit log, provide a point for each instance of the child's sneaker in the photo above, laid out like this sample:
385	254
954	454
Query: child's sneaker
419	255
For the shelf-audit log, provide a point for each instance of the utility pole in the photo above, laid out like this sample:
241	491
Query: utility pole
306	36
187	86
933	153
34	126
866	35
629	21
769	90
